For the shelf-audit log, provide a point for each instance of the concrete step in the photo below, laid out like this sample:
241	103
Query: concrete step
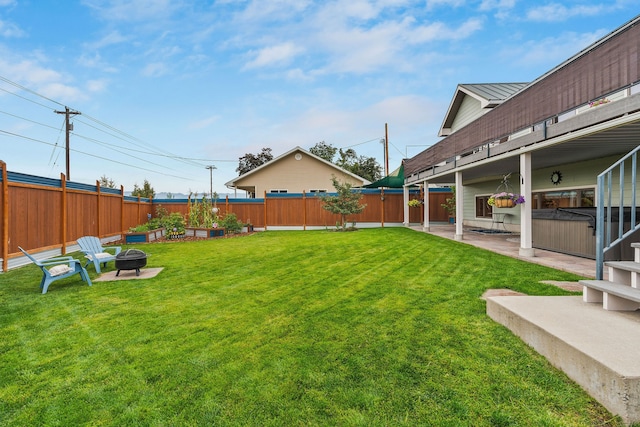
624	265
612	295
597	349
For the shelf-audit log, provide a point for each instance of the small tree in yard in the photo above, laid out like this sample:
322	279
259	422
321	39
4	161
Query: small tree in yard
346	203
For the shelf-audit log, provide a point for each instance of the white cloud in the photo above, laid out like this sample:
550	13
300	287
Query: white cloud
7	29
272	10
138	10
273	55
203	123
61	92
96	86
555	12
365	50
431	4
155	69
114	37
497	4
552	50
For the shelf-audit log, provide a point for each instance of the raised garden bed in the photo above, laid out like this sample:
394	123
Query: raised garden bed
144	236
204	232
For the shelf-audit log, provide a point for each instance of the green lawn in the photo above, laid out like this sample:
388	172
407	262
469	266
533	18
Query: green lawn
379	327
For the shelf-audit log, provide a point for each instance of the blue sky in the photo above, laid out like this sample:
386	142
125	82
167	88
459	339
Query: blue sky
168	87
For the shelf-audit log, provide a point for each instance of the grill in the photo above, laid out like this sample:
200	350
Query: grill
131	259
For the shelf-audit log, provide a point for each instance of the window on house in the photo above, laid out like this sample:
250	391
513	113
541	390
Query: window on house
483	210
566	198
278	191
317	191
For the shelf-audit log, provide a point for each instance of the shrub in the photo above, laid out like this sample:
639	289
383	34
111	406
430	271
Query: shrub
231	224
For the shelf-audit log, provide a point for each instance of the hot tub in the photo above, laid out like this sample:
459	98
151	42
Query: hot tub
572	231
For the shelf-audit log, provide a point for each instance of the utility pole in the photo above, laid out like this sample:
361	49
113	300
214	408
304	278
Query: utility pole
211	168
386	150
69	128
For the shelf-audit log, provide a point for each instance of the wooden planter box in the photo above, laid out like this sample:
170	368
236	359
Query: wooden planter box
144	236
204	232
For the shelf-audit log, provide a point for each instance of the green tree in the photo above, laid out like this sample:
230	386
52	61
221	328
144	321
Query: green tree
324	151
146	191
345	203
366	167
106	182
250	161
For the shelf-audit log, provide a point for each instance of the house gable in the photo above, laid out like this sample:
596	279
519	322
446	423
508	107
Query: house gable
296	171
471	101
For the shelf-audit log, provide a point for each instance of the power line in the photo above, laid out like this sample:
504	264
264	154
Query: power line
92	155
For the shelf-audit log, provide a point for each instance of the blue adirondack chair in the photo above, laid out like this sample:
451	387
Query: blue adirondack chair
58	268
94	251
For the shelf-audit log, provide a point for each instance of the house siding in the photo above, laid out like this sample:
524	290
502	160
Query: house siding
296	176
470	109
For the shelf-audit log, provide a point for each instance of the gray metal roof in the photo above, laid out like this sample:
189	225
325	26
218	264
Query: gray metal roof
494	91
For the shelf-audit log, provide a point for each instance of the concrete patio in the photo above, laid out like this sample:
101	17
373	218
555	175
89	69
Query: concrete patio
597	349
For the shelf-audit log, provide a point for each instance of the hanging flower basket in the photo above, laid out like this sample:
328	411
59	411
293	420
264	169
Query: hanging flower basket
505	200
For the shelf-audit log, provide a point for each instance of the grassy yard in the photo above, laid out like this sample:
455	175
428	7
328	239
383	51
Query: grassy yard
380	327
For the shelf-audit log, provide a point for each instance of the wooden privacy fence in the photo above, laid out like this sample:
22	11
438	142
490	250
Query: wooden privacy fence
45	214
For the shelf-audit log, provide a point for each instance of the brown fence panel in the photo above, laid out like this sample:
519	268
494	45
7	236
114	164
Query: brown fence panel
34	217
82	215
286	211
110	215
436	211
394	208
135	213
247	212
316	215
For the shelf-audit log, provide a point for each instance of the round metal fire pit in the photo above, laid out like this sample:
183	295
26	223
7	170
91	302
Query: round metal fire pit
131	259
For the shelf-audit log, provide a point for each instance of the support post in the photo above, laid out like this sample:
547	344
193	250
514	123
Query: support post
405	203
425	224
459	206
526	222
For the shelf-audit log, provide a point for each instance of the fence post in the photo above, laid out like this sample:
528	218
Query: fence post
99	209
382	204
63	227
265	210
122	230
5	217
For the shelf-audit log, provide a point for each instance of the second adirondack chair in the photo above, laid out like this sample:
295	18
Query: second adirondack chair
94	251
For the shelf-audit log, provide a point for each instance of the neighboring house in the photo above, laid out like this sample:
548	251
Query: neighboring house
295	171
554	136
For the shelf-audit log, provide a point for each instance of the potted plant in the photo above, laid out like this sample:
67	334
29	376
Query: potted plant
505	200
449	205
